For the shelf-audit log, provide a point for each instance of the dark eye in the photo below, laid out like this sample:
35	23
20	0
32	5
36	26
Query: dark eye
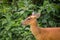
29	18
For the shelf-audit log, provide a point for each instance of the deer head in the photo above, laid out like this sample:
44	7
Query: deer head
31	19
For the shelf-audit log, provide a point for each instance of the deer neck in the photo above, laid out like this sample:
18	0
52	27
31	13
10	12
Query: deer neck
34	28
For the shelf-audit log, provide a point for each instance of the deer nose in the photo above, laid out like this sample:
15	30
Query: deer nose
22	22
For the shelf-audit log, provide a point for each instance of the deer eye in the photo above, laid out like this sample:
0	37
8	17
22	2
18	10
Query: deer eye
29	18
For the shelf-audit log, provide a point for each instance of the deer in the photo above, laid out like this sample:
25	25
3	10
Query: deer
39	32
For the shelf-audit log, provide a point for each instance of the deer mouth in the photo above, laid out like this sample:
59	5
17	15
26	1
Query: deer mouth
22	23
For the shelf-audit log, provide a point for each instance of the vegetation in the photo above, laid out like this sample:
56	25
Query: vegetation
12	12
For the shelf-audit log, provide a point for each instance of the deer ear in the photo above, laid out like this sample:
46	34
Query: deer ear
37	15
33	13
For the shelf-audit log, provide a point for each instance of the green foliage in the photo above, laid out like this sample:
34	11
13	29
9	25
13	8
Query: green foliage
12	15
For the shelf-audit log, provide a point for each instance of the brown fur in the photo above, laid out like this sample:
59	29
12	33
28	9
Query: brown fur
41	33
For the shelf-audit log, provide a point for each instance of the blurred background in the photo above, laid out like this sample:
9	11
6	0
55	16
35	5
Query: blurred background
12	12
